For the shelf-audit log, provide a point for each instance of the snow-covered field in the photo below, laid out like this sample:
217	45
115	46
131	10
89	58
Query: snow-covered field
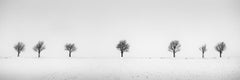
119	69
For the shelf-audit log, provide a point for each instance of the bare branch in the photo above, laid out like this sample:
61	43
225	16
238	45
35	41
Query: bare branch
70	47
203	48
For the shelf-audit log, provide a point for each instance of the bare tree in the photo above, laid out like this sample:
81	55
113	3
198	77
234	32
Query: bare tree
70	48
19	47
39	47
123	46
174	47
203	49
220	47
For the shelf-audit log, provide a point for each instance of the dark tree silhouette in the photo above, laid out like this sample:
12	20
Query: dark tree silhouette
174	47
70	48
19	47
39	47
220	47
203	49
123	46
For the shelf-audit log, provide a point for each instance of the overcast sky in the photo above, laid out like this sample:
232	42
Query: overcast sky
96	26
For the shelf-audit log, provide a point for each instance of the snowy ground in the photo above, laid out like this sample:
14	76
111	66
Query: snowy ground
119	69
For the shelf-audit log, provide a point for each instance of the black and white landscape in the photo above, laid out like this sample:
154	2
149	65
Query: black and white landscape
119	40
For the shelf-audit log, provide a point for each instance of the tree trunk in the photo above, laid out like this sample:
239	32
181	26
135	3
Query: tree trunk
38	54
220	54
203	55
174	54
18	54
70	54
121	53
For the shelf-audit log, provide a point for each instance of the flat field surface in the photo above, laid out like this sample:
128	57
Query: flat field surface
119	69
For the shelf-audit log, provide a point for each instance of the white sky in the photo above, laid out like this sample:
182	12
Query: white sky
96	26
